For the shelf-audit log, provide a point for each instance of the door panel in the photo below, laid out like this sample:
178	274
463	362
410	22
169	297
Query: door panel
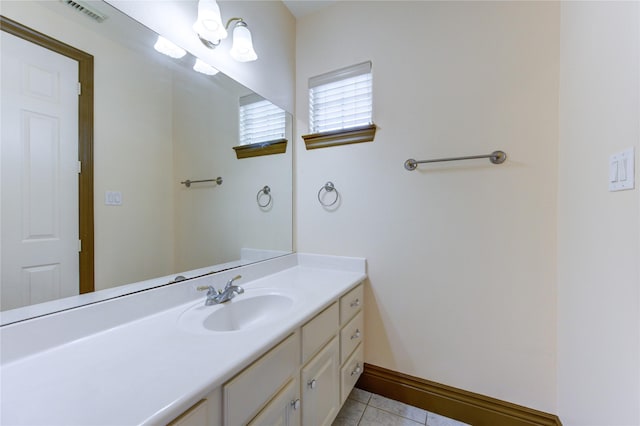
39	186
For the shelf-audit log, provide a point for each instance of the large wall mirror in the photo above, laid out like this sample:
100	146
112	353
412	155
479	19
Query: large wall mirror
157	123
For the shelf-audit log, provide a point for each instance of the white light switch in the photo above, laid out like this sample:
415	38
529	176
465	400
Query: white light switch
113	198
613	171
622	170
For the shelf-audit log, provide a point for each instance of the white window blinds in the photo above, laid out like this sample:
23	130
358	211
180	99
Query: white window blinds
260	120
341	99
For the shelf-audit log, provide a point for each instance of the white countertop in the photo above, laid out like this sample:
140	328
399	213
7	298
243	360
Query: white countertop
149	370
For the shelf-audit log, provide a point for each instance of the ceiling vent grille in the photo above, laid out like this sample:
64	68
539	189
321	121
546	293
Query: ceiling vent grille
85	9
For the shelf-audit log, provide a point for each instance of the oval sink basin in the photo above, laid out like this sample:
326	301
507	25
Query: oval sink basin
243	312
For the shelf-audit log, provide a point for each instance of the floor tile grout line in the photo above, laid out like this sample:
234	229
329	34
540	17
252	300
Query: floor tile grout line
367	404
400	415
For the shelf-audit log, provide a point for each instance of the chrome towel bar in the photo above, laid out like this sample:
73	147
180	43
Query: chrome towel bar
496	157
188	182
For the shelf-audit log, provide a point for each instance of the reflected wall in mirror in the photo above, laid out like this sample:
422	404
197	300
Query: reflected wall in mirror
158	123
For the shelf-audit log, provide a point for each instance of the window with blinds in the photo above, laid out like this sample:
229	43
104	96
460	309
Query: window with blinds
341	105
341	99
260	120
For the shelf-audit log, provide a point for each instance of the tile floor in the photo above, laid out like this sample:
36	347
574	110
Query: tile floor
364	408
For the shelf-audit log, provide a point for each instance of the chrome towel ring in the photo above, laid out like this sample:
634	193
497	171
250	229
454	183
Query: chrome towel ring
328	187
266	191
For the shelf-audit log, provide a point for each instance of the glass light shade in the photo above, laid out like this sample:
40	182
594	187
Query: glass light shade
242	48
165	47
204	68
209	24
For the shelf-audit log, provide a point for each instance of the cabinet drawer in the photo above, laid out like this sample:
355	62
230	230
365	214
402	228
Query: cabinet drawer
351	303
246	393
350	372
350	336
319	330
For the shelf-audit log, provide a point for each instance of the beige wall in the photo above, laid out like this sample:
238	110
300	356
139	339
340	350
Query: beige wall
461	257
598	239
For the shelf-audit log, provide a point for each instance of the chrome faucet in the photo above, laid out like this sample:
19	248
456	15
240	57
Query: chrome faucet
215	297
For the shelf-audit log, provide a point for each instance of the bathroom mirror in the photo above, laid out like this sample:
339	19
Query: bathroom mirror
158	123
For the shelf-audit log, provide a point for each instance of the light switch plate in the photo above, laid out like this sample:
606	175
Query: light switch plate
113	198
622	170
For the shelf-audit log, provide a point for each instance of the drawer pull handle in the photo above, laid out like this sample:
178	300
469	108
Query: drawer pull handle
295	404
356	335
355	303
312	384
357	370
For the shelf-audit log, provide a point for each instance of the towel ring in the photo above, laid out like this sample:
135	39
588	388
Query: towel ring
264	191
328	187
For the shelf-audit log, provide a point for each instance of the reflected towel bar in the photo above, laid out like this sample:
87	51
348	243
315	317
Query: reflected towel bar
188	182
496	157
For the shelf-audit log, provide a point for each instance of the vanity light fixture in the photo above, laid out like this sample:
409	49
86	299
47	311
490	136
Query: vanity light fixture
204	68
242	48
211	31
166	47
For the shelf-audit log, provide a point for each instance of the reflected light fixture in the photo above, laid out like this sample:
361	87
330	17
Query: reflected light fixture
204	68
211	31
168	48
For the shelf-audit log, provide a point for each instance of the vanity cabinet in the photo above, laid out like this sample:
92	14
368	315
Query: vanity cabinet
329	376
303	380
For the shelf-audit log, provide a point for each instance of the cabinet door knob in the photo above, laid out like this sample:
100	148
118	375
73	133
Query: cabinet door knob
355	303
295	404
312	384
357	370
356	335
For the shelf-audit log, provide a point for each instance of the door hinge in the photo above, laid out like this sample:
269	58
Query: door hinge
79	246
79	166
79	88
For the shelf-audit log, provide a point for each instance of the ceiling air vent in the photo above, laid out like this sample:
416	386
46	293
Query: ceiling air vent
85	9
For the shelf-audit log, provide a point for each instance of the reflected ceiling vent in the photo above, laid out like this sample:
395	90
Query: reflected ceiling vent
86	9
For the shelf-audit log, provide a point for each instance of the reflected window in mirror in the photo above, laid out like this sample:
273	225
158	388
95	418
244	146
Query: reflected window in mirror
260	120
263	127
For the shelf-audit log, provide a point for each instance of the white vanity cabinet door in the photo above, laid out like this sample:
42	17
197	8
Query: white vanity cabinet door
283	410
246	394
350	373
321	387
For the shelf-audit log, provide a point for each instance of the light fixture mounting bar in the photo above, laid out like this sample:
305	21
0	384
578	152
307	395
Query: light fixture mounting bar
211	45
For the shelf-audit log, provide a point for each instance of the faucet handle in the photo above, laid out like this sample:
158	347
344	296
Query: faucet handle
230	282
211	290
